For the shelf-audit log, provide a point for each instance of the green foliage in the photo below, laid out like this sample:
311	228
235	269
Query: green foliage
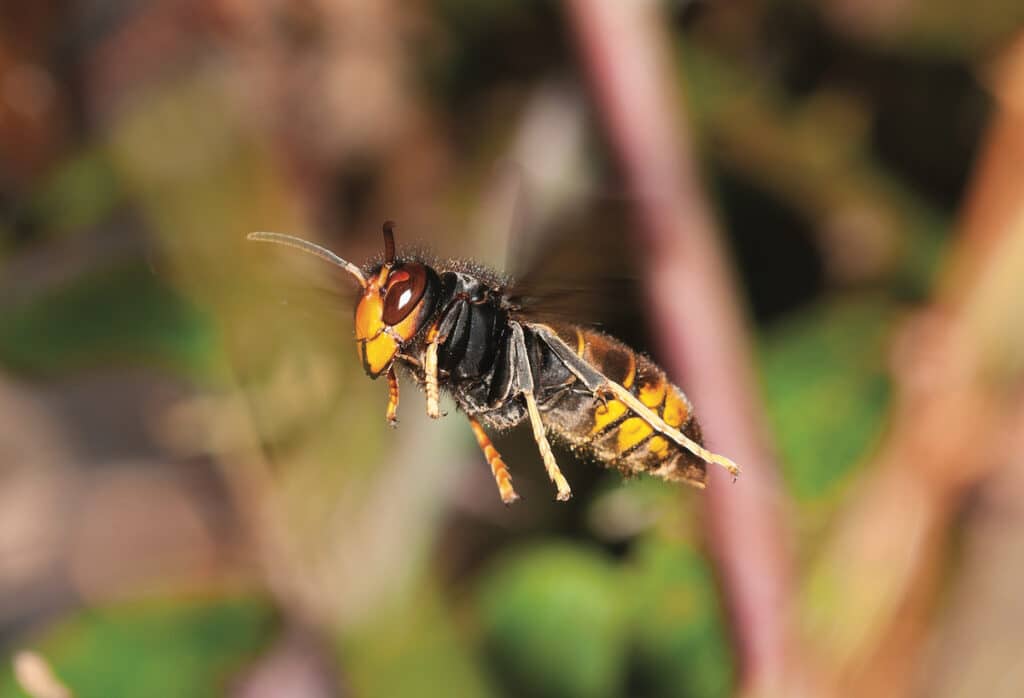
489	43
120	315
812	155
80	194
411	650
681	644
826	390
170	647
554	622
563	621
939	28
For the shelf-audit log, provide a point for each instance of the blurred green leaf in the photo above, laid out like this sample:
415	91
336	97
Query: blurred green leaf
411	650
815	156
937	28
125	314
554	624
826	389
79	194
679	628
170	647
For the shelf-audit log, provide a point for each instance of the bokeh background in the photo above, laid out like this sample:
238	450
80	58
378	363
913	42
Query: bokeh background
811	213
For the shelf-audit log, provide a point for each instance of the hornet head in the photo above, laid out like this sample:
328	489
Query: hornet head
397	298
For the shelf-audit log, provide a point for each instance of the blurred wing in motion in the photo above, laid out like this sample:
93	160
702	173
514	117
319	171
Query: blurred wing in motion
304	283
584	273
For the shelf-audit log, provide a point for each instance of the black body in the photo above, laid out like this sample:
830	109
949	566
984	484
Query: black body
455	326
476	359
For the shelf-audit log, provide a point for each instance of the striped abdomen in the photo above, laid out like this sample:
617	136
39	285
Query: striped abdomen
610	431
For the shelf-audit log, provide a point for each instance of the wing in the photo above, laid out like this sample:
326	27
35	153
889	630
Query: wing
305	284
583	272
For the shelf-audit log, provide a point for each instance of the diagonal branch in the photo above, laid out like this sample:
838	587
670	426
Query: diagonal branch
699	319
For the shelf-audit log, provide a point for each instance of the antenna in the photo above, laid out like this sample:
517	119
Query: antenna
389	242
313	249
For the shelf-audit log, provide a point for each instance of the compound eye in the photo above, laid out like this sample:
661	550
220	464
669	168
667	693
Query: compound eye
406	286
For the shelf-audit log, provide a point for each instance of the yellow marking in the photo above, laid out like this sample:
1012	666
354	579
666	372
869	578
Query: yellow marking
378	353
606	414
671	432
550	464
369	311
627	382
658	447
651	394
378	348
581	344
676	410
632	432
652	418
498	467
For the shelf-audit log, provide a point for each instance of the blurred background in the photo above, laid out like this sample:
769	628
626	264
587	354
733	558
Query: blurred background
811	213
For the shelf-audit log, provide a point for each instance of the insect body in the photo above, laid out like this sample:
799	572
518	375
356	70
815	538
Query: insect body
456	327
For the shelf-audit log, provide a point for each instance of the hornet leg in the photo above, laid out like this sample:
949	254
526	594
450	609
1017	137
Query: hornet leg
392	410
430	383
524	378
435	337
600	384
498	467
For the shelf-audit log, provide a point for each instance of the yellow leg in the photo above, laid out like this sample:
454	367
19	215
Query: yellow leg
430	377
659	425
598	383
392	410
498	467
554	472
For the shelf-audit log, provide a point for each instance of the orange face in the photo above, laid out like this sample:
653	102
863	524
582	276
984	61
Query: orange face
395	303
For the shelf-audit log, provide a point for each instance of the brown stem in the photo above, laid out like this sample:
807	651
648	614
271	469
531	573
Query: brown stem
959	384
702	333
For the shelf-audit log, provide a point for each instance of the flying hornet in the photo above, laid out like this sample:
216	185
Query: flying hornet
458	327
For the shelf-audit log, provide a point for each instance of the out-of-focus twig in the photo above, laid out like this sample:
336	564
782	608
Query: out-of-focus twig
37	678
34	118
973	648
699	321
329	83
995	200
316	510
297	665
959	378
